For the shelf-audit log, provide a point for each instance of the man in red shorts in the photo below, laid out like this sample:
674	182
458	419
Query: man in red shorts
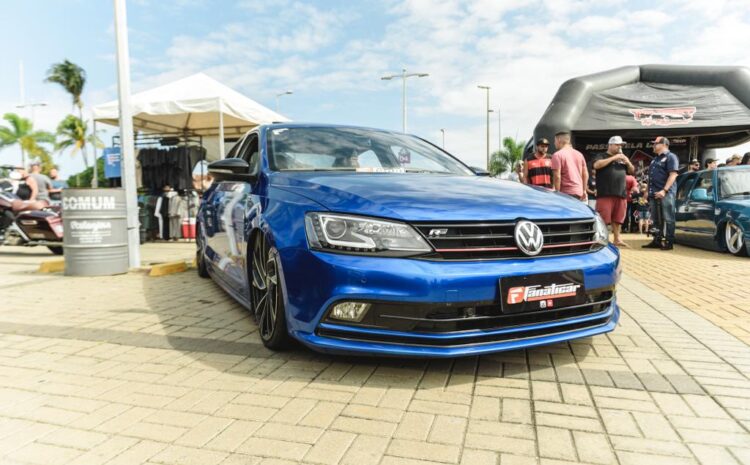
611	196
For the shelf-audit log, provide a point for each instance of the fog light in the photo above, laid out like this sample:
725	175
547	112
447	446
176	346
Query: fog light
350	311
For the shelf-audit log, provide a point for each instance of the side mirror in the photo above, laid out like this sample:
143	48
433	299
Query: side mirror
479	171
700	195
231	169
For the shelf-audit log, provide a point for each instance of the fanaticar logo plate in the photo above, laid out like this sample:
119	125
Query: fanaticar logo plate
529	237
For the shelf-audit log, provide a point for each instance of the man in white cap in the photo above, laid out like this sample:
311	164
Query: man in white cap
611	195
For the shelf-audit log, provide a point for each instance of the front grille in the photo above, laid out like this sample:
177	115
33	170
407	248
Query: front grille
422	321
494	240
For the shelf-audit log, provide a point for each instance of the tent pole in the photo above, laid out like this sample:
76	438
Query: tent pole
221	131
127	156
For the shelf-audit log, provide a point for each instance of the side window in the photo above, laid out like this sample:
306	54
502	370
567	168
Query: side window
706	181
684	188
236	148
251	154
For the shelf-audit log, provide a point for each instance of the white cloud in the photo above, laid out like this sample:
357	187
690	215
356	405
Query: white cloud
523	49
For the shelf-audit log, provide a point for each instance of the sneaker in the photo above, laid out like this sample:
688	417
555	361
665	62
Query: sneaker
655	244
667	246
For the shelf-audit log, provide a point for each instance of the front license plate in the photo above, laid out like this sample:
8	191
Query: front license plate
542	291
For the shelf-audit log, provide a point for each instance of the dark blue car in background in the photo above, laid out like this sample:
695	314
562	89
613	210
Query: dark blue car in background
713	209
363	241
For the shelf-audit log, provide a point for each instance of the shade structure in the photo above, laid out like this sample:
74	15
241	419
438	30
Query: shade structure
697	107
195	105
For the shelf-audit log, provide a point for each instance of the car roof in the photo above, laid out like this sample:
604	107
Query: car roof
289	125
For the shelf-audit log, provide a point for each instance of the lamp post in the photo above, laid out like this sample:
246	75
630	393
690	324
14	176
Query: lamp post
25	104
403	76
487	88
127	156
286	92
442	132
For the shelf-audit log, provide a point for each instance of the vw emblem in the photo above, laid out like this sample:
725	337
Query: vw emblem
529	237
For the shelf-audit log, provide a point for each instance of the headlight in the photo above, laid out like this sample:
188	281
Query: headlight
601	234
357	234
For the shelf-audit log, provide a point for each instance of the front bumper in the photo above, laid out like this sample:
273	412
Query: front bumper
315	281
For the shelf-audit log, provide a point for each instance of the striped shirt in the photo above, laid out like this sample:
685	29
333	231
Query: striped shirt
540	172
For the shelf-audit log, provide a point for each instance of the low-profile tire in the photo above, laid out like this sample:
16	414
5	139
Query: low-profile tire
734	239
200	255
267	295
55	249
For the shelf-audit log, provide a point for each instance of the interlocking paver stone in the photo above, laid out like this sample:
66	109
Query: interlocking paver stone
132	369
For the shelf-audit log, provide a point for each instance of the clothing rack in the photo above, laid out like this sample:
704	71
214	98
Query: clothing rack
172	139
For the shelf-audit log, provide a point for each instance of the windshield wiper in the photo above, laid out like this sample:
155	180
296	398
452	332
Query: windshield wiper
737	193
321	169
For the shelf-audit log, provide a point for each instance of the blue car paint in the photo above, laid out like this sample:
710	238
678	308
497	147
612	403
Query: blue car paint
312	280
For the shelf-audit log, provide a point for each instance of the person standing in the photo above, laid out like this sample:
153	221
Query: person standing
611	193
710	164
569	173
694	165
631	187
662	173
44	184
745	159
57	185
734	160
537	171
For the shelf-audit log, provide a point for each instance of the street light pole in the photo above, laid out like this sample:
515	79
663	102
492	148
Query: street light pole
403	76
126	133
286	92
499	130
442	131
24	104
487	88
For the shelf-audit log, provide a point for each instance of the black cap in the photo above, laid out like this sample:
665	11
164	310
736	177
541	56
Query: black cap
710	160
542	141
660	140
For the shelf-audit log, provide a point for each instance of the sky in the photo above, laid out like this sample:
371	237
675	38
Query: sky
331	54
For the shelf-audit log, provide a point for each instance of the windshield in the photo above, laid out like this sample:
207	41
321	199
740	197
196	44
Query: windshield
356	150
734	183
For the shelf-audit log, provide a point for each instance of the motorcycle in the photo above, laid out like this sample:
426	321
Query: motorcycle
31	227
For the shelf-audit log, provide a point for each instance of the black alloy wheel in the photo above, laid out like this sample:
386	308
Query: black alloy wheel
200	253
266	295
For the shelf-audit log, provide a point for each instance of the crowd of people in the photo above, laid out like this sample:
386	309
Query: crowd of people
34	189
610	186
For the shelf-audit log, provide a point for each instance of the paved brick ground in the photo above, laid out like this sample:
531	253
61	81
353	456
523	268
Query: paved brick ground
132	369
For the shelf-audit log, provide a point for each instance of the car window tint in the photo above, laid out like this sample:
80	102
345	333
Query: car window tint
413	159
236	148
685	188
250	153
706	181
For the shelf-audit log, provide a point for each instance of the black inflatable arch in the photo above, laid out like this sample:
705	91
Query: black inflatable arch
700	107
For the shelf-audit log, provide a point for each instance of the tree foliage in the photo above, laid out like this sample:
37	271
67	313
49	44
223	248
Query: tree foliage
72	133
20	131
506	158
84	178
71	77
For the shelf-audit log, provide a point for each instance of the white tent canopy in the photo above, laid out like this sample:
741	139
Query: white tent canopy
195	105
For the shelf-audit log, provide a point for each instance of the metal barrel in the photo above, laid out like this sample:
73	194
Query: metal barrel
95	233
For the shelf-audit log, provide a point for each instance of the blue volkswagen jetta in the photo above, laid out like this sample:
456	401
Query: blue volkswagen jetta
364	241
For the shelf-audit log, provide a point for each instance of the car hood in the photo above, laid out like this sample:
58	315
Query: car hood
741	204
425	197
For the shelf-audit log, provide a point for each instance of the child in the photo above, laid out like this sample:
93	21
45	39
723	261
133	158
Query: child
642	210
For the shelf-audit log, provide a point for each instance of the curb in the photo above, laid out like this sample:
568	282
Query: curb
164	269
51	266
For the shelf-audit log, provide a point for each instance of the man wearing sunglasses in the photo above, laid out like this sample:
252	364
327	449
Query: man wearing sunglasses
694	165
662	173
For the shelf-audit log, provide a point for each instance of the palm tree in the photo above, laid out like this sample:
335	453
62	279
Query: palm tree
72	78
21	131
506	158
73	133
